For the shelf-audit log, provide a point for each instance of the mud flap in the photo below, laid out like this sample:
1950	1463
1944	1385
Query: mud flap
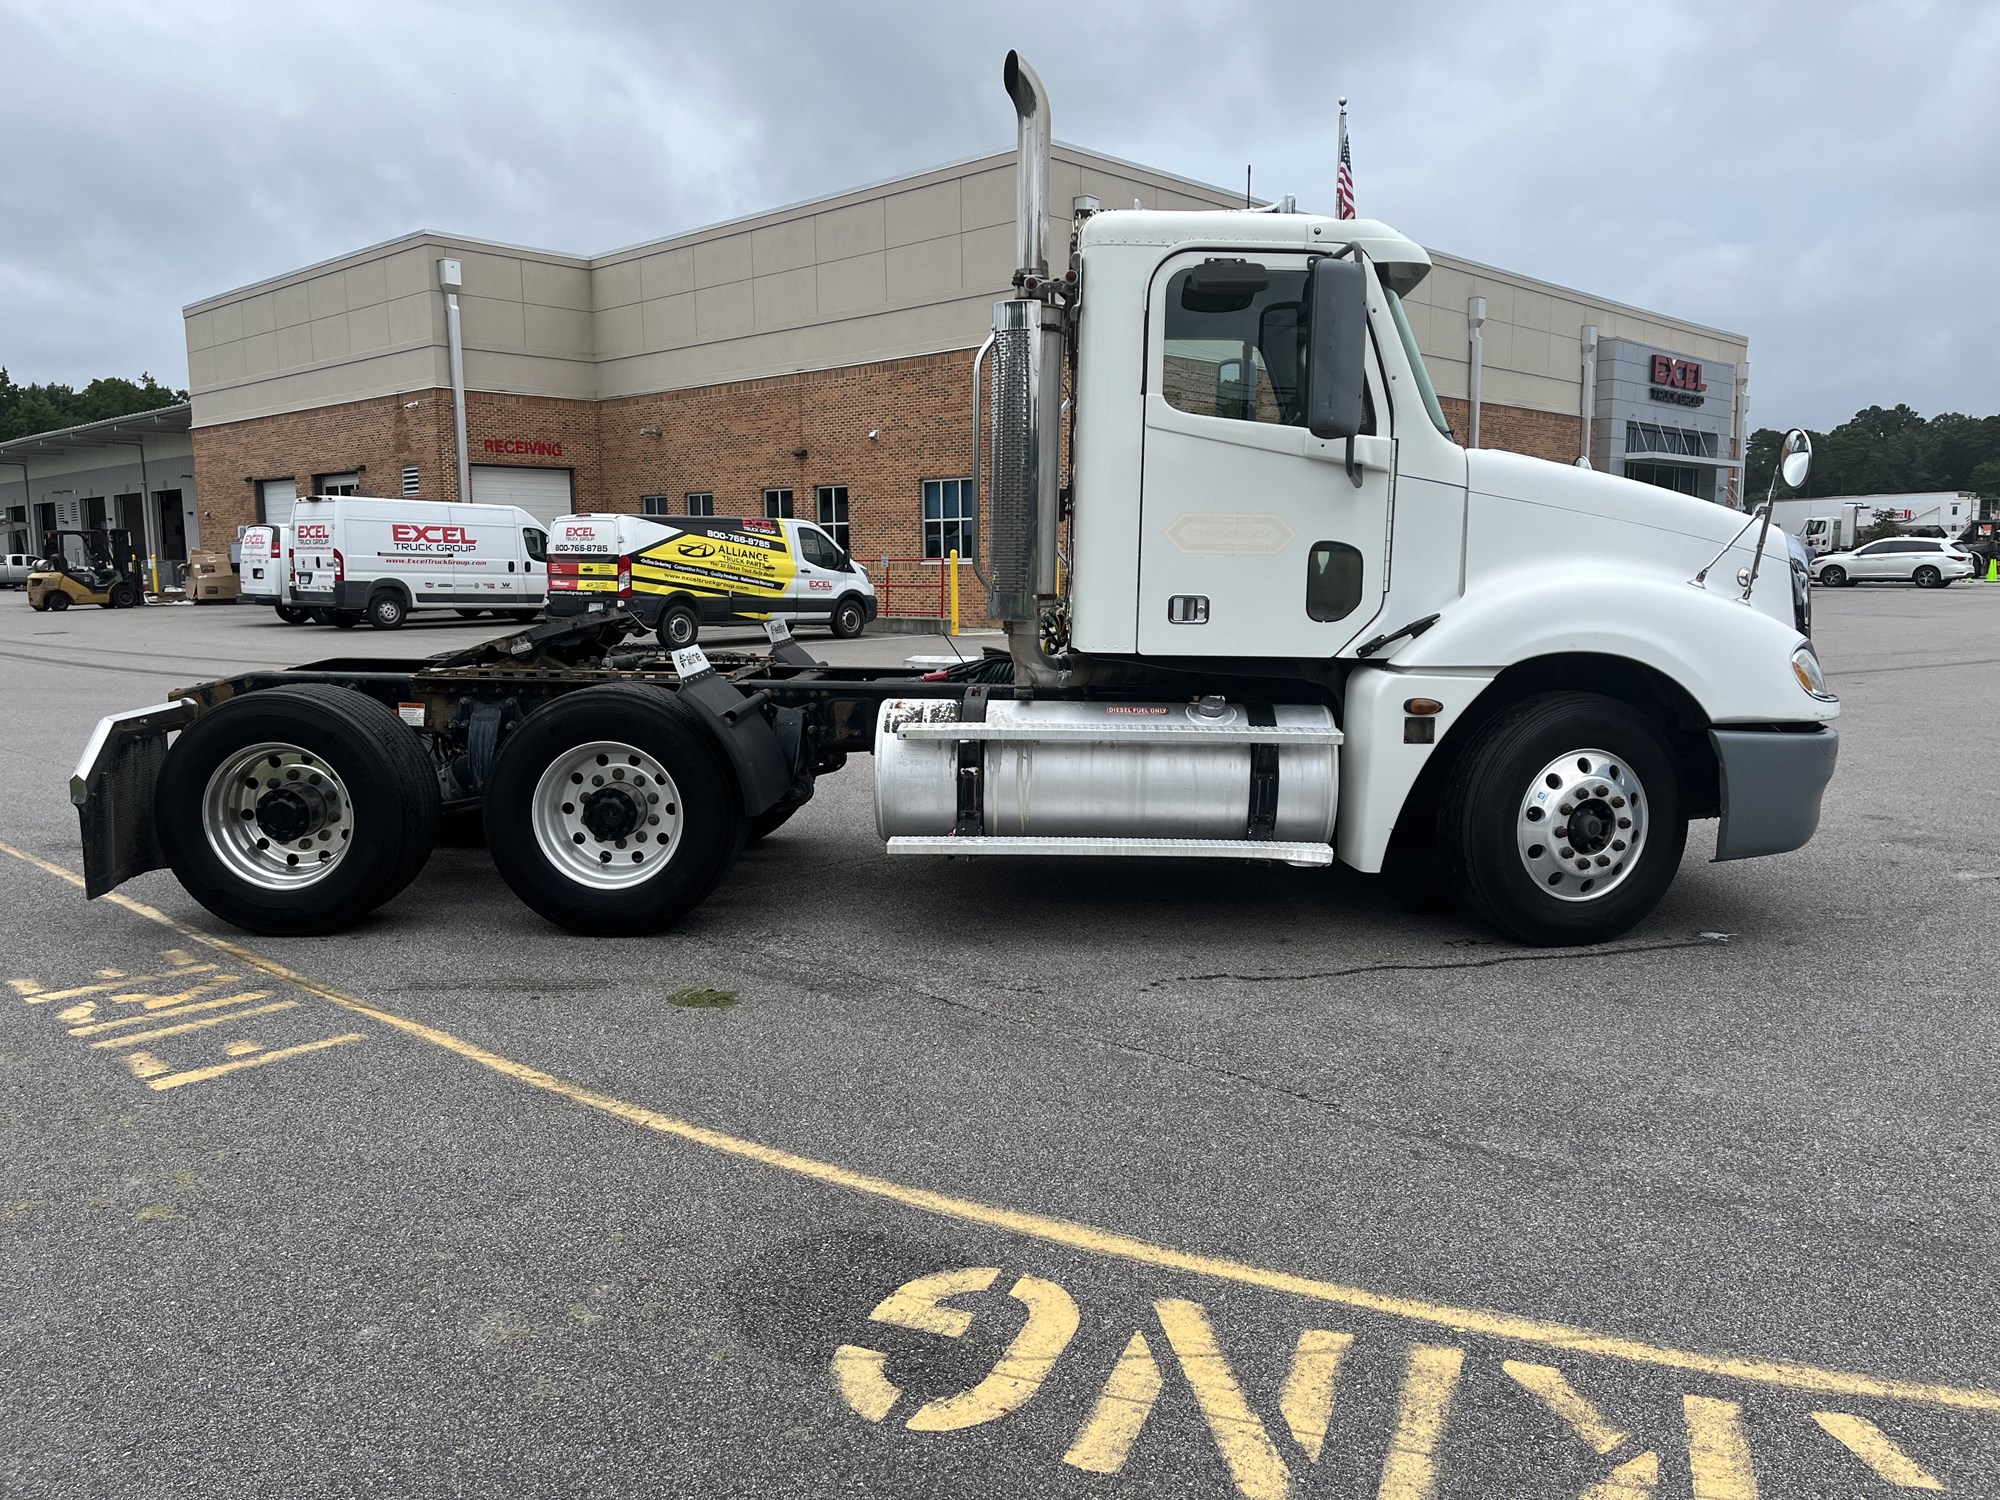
112	788
756	745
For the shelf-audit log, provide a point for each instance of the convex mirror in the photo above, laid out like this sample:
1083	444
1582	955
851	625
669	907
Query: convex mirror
1795	457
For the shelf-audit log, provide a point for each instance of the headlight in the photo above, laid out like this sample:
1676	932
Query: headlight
1805	667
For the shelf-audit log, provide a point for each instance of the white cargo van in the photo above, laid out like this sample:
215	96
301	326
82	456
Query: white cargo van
265	571
355	558
679	574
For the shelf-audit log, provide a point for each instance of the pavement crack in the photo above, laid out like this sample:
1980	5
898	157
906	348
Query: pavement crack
1495	961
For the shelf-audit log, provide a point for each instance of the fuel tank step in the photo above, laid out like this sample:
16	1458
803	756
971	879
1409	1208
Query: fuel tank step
1292	853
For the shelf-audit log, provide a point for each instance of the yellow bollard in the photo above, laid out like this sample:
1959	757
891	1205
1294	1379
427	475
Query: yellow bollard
954	591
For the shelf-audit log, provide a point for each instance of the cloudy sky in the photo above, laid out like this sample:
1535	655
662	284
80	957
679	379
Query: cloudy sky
1824	177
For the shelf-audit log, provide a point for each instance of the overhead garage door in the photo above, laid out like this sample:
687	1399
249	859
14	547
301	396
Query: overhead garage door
542	493
275	498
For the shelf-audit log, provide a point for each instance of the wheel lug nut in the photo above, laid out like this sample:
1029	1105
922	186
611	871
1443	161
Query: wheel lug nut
1624	822
1566	809
1569	854
1563	832
1617	801
1618	845
1603	860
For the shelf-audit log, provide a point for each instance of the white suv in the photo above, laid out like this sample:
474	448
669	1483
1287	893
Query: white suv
1924	561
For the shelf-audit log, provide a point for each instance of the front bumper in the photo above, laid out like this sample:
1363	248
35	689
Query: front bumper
1772	781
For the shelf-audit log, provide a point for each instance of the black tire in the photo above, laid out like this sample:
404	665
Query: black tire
1833	576
387	611
291	614
391	786
849	619
468	614
522	616
57	600
767	823
679	626
1490	792
125	595
703	797
1927	578
343	619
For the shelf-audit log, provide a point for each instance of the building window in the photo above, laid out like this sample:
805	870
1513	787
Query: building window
337	484
654	505
1644	437
412	486
948	517
831	507
701	503
777	505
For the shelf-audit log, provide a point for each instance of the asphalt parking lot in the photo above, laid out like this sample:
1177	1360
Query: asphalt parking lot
1256	1183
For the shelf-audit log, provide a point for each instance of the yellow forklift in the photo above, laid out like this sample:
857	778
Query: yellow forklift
86	567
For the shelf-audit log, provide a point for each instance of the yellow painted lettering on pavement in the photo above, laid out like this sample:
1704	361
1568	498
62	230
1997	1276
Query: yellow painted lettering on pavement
203	1024
1877	1449
49	997
25	988
917	1305
1430	1380
1052	1321
1718	1450
1105	1441
1306	1399
1253	1459
200	1075
160	1015
1555	1392
1635	1479
857	1375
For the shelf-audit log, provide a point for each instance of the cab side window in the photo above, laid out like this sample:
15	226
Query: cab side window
1235	353
537	542
819	551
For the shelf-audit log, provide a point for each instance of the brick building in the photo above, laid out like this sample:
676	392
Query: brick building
814	360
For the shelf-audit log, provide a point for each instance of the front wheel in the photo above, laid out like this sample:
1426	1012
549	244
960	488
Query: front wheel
297	809
58	600
1562	823
609	811
1927	578
125	595
1833	577
849	619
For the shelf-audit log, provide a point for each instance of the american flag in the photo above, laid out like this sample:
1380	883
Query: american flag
1344	187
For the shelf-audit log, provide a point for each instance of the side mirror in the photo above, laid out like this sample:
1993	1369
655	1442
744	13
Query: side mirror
1795	457
1338	339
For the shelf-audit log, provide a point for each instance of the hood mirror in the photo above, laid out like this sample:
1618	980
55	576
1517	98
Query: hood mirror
1795	457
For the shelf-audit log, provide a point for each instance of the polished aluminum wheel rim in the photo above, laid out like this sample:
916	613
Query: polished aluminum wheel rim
1581	826
607	815
278	816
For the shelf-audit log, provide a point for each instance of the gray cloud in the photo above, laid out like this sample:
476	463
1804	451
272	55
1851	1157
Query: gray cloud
1824	179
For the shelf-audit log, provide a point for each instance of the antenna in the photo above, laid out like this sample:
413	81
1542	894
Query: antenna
1246	187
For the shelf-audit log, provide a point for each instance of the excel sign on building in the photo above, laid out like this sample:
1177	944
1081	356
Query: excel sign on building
1664	417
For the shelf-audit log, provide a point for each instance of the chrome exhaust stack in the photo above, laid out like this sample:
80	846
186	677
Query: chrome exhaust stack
1023	501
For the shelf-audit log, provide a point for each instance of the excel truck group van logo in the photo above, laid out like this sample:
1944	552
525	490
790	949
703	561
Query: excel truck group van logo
313	531
432	538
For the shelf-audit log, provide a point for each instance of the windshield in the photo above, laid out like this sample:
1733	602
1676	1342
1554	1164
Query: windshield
1423	376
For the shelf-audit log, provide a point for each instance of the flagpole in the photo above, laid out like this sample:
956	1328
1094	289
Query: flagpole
1341	166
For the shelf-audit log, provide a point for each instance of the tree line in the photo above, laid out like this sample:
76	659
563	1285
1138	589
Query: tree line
1889	450
44	408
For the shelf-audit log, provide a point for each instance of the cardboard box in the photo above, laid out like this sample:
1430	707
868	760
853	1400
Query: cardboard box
214	588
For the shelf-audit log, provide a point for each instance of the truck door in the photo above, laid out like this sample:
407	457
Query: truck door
1255	538
820	576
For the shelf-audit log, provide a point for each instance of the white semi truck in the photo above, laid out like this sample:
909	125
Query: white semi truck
1300	623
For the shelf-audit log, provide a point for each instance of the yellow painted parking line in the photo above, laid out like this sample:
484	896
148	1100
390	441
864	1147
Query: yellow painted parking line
202	1025
160	1015
1877	1449
1088	1239
200	1075
1430	1380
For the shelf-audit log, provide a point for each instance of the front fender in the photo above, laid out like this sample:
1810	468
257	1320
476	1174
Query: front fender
1733	661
